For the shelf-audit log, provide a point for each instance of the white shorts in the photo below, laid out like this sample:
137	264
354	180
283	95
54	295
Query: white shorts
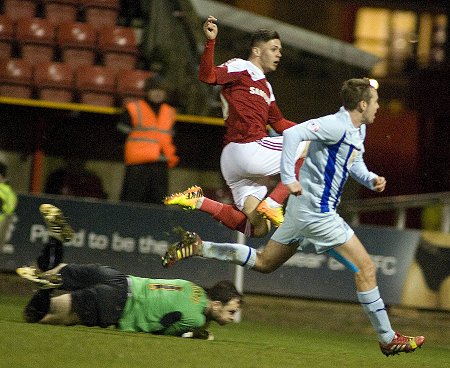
246	166
324	230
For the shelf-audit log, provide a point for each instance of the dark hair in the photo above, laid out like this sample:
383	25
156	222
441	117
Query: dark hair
355	90
263	35
223	292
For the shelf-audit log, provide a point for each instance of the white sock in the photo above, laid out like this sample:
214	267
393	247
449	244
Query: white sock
374	307
236	253
272	203
199	202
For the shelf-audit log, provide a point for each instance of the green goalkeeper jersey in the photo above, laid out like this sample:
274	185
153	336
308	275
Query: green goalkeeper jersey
168	307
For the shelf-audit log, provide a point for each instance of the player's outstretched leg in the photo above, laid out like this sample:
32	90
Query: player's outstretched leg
402	344
57	225
59	231
192	245
187	199
39	305
228	215
44	280
189	246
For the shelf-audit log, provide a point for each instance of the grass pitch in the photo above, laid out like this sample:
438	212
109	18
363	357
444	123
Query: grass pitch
275	332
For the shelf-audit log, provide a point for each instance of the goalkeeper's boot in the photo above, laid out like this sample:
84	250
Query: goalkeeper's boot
44	280
187	199
189	246
402	344
273	214
57	224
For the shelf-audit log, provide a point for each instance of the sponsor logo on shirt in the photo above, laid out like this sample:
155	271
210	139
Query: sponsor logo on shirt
259	92
313	126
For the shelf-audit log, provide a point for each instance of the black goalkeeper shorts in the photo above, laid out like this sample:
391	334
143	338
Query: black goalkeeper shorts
99	293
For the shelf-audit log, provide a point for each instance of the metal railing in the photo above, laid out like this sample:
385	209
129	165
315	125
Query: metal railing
399	204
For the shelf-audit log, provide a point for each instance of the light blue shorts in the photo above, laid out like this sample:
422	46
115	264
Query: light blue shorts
324	230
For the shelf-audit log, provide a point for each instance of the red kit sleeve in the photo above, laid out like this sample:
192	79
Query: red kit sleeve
277	120
206	71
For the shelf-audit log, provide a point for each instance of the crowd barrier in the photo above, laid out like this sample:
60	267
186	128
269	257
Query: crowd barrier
133	238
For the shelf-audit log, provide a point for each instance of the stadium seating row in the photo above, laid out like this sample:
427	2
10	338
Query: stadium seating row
76	43
60	82
98	13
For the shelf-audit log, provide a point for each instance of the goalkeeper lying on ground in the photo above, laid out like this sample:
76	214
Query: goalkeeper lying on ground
102	296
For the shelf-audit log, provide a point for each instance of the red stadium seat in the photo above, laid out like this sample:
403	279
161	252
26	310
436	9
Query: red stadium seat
16	9
6	35
60	11
96	85
118	47
16	78
54	81
36	39
77	42
100	13
130	84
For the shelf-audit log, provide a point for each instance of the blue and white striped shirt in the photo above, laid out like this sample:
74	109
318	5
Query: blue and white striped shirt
336	151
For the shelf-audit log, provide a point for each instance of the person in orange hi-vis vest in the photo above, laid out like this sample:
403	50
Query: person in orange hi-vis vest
149	149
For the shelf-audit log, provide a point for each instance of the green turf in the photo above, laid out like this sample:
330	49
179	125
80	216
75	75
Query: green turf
251	343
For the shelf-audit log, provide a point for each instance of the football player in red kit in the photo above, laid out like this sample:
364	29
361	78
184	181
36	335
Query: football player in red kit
250	155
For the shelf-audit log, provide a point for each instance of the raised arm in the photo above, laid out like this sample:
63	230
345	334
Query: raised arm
210	28
206	72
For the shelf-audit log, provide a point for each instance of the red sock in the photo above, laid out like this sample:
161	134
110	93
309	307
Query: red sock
227	215
281	193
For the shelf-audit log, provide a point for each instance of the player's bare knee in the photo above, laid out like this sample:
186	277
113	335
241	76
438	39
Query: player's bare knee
263	268
260	232
260	228
264	264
